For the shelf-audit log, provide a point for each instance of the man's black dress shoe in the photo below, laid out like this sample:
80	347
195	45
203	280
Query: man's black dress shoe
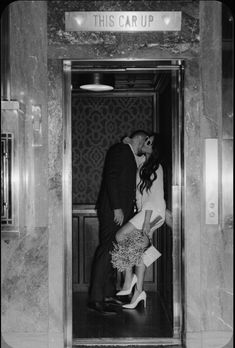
113	301
102	308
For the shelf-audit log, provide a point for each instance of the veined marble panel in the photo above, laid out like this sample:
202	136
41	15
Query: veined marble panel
192	155
56	236
217	292
98	45
24	340
24	282
216	263
28	58
209	339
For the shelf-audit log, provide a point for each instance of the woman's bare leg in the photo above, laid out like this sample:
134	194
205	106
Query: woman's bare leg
120	235
140	273
127	279
140	270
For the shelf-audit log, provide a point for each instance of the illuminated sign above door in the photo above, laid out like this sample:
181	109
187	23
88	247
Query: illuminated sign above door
123	21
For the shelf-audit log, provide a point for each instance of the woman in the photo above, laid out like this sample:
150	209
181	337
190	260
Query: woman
134	237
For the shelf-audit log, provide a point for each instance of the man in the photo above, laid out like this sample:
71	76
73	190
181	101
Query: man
115	206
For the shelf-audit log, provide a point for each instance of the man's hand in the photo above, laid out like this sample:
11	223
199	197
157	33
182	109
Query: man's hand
118	216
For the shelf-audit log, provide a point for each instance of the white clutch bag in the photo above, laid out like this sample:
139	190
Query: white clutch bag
150	255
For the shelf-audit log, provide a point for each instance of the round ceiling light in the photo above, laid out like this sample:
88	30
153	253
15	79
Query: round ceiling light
97	85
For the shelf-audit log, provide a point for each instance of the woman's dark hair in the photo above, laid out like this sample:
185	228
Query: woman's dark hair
148	169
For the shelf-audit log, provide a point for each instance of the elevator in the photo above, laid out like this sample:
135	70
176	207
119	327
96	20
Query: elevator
147	95
44	282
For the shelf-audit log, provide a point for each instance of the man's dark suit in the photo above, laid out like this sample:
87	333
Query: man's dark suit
117	192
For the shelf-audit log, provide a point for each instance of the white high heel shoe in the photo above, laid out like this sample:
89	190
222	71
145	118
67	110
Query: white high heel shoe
142	297
128	291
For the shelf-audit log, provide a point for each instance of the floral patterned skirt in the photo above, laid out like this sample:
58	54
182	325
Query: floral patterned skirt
128	252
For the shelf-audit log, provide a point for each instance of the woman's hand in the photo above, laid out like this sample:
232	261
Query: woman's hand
146	224
150	236
146	228
147	233
126	140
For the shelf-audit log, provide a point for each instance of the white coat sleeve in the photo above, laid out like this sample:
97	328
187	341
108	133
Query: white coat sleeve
155	199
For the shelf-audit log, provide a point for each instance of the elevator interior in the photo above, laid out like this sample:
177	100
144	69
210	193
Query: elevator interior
156	89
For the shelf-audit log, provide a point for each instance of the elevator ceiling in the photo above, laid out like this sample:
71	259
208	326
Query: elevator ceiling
123	76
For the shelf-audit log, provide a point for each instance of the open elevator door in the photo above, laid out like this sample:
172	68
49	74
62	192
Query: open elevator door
174	208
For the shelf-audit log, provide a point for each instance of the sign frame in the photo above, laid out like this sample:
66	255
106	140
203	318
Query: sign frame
119	21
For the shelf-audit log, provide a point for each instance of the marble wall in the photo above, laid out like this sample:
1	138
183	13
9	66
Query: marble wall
111	45
209	293
207	254
24	260
56	222
25	282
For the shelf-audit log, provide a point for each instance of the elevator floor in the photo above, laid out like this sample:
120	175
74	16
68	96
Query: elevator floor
141	322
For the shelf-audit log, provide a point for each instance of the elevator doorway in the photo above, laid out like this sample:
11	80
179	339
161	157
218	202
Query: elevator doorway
147	95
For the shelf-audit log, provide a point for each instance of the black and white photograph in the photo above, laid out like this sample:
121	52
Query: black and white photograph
117	174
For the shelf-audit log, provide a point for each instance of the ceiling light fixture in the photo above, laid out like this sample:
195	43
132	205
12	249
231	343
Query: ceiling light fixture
97	85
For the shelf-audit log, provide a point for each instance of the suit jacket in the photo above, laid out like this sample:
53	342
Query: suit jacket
118	187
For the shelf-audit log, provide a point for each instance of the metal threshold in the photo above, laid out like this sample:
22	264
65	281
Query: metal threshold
122	342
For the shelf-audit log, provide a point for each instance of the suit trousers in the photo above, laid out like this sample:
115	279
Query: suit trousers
103	276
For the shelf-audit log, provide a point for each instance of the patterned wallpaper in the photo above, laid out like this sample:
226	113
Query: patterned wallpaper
97	123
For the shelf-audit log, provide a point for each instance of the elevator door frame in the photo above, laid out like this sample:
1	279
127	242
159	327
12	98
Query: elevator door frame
177	213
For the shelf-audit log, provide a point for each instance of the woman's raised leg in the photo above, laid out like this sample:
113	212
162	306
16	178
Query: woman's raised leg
140	273
124	231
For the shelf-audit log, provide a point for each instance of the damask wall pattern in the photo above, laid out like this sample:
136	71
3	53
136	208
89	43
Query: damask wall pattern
97	123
